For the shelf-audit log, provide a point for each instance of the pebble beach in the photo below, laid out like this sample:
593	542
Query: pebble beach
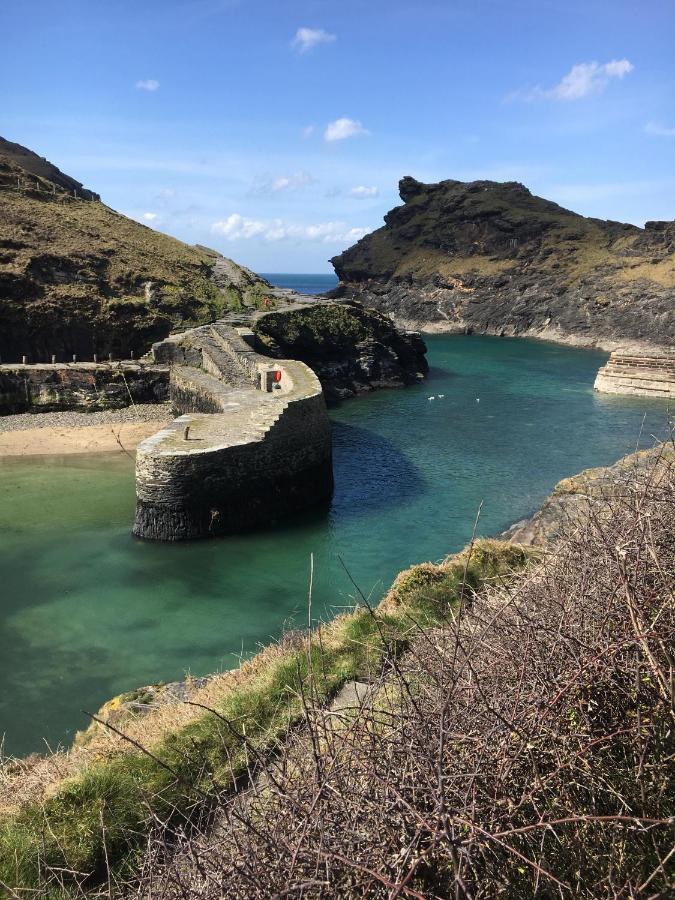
56	433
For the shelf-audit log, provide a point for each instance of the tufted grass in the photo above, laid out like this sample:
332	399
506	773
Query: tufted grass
95	821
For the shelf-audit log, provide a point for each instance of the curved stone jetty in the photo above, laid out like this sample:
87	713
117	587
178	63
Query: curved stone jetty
644	373
251	443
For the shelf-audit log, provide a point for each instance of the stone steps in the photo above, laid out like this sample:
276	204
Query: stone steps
646	375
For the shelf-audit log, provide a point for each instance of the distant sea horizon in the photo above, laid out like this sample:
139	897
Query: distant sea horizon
303	282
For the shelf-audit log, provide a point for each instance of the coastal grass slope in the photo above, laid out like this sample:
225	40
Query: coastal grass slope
521	748
68	820
78	277
493	258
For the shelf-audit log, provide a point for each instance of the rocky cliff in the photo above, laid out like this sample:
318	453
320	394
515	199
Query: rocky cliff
352	349
594	492
492	258
87	387
76	277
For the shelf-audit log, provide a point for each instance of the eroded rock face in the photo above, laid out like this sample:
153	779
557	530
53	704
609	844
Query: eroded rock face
574	498
643	375
87	387
352	349
492	258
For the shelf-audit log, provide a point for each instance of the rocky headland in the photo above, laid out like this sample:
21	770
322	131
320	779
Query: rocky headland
351	349
595	491
76	277
491	258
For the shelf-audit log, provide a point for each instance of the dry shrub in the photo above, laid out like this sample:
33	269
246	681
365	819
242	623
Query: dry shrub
525	750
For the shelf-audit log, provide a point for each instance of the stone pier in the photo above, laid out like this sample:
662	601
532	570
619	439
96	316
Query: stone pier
251	443
646	374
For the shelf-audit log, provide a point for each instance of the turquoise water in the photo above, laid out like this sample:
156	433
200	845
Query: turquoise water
305	284
86	611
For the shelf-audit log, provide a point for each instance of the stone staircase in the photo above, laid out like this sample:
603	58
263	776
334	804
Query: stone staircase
648	374
244	449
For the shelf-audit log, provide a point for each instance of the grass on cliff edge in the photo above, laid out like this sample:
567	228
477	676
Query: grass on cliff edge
95	821
326	329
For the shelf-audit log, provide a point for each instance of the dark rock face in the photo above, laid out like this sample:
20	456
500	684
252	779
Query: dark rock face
574	498
492	258
352	349
86	388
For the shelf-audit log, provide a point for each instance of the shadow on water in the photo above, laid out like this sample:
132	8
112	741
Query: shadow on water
371	472
436	373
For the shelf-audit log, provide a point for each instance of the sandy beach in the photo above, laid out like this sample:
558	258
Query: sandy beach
53	434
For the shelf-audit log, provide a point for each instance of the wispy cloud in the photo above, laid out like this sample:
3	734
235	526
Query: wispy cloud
148	84
308	38
582	80
363	192
343	128
656	128
150	216
236	227
307	132
275	184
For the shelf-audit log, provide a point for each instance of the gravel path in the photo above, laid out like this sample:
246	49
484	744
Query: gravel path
144	412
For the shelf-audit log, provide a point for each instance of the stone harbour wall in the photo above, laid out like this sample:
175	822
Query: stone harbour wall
644	374
80	386
249	456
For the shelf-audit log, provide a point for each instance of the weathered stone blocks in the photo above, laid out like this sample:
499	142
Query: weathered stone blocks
248	457
83	386
643	374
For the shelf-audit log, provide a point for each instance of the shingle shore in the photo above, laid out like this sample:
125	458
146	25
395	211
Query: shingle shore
145	412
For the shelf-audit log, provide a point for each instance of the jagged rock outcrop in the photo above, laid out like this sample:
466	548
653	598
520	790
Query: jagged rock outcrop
352	349
492	258
590	491
76	277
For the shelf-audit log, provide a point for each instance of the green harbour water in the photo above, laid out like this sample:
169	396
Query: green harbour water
86	611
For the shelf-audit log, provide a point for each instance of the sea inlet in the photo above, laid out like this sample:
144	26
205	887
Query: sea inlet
87	611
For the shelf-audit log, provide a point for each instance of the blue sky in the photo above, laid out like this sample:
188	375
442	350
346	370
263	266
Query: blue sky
276	132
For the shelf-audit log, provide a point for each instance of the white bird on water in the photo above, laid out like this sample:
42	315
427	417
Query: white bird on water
431	398
477	399
440	396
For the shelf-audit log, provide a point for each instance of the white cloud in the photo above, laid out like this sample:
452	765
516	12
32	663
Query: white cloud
307	132
150	216
236	227
343	128
269	184
307	38
149	84
581	81
362	192
659	130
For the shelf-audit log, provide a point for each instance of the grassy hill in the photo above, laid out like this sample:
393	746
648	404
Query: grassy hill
78	277
494	258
